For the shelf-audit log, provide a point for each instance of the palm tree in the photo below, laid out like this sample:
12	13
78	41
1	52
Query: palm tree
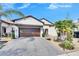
8	12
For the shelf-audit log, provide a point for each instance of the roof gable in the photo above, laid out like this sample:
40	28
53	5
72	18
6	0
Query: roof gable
29	20
46	21
7	21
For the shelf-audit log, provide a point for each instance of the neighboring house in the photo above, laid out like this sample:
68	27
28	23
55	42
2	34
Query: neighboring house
76	29
28	26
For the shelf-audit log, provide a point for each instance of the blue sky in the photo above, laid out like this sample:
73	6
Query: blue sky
51	11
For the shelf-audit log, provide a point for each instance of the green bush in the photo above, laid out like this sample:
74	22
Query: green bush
13	35
67	45
43	35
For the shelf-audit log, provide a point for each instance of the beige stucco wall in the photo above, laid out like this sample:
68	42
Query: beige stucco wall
51	30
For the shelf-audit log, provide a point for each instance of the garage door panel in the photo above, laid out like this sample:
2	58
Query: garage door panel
28	32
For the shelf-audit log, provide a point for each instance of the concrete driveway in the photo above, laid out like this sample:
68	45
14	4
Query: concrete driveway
33	46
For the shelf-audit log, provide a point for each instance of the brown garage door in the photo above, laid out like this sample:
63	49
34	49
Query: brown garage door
29	32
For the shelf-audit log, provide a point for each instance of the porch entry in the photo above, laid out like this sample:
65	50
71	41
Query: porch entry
6	34
45	32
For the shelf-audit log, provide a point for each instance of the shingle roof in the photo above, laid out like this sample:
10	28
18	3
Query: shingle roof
27	17
13	21
49	23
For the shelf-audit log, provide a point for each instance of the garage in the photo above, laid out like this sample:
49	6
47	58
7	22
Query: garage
29	32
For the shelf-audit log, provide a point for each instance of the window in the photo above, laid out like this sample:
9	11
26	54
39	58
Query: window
4	31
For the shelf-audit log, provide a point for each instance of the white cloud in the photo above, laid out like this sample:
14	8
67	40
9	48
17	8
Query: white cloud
56	6
12	5
8	5
24	6
52	6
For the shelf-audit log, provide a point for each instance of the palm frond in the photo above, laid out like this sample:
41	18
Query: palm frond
16	12
4	14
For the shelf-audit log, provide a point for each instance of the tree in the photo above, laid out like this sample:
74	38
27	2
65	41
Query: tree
65	27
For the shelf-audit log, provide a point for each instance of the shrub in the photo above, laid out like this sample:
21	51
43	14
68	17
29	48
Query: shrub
43	35
67	45
13	35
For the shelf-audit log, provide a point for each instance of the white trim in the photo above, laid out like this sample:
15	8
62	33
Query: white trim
1	30
41	31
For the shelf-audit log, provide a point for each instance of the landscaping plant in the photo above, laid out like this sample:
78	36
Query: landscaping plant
67	44
65	28
13	35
